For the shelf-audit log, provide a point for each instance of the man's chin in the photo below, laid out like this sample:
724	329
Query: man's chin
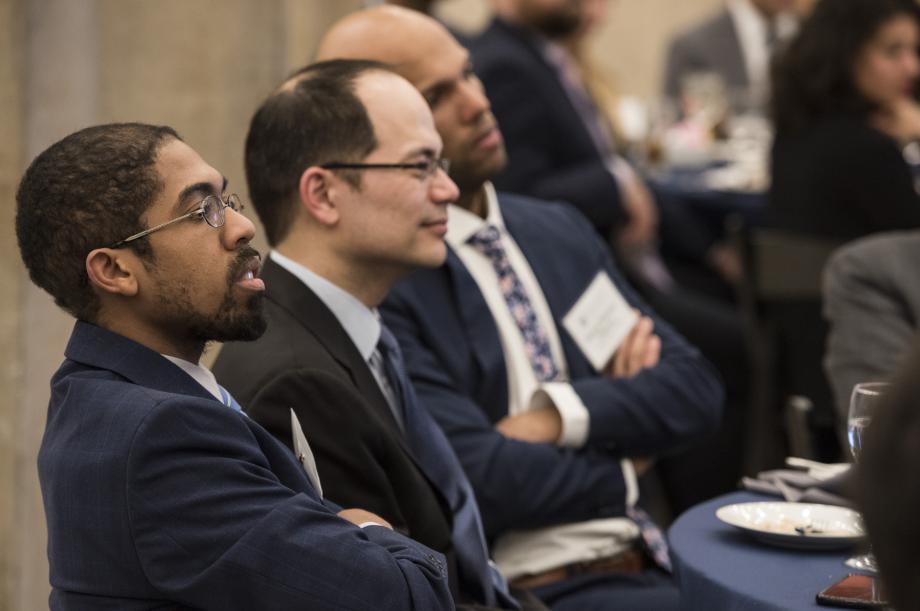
244	323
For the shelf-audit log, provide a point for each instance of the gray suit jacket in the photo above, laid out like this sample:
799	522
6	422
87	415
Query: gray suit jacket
713	46
872	302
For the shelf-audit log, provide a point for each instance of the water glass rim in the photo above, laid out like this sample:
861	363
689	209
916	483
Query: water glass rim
871	388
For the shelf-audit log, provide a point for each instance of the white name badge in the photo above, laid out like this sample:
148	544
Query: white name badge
305	453
600	320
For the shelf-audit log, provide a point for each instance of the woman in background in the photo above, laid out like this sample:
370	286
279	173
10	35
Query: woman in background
844	109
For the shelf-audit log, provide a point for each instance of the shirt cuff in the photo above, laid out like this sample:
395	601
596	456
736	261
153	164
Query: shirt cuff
574	414
622	173
366	524
632	484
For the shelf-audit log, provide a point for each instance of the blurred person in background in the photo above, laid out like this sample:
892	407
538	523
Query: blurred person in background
735	45
872	305
843	110
888	487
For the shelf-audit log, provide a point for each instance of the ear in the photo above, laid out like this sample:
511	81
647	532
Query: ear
112	271
319	190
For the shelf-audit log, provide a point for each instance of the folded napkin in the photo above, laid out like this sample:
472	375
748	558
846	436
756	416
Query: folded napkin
799	486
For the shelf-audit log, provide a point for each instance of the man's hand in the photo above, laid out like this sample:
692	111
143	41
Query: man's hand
641	226
539	425
900	120
726	261
640	350
360	516
641	465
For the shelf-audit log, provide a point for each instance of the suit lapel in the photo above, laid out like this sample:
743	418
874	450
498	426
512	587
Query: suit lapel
303	305
483	337
104	349
289	293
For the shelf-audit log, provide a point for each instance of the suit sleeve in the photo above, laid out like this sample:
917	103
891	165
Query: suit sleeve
661	408
872	323
215	528
518	485
339	434
521	109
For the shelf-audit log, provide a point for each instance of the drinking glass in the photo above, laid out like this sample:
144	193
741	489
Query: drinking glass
863	403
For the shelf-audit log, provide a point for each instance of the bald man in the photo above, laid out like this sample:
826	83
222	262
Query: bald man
551	442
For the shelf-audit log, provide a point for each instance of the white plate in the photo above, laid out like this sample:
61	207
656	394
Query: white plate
797	525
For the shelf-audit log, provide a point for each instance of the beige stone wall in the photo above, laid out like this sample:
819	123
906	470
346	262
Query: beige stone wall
201	66
629	48
11	467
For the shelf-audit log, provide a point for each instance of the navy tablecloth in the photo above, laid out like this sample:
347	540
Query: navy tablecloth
721	568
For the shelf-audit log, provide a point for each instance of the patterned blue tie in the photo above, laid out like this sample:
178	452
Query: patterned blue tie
488	241
228	399
652	537
442	468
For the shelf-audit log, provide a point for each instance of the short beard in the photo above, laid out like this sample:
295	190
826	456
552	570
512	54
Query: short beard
231	322
557	25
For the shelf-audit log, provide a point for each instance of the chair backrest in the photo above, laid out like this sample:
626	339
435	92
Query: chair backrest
780	300
787	267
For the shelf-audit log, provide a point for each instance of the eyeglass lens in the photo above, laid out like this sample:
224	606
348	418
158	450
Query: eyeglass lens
213	208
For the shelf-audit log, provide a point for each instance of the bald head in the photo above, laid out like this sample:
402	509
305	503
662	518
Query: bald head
422	51
382	34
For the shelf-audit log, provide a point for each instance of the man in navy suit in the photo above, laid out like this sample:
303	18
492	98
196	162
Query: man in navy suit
560	147
551	442
158	491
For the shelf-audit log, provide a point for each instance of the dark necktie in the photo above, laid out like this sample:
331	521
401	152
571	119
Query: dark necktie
442	468
488	241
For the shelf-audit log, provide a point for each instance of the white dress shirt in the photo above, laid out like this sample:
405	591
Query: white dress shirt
361	324
752	28
199	373
519	553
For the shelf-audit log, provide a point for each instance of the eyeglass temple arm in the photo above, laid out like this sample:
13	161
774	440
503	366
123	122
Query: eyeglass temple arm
137	236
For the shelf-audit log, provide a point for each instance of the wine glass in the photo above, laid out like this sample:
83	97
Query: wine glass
863	403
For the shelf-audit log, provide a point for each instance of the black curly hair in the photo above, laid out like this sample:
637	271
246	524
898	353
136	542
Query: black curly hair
813	76
89	190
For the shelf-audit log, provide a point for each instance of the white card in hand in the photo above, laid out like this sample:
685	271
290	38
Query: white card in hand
304	453
600	320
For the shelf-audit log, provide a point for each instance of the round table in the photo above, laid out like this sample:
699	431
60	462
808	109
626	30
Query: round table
719	567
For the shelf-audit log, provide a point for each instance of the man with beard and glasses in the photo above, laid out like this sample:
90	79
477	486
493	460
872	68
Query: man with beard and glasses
551	437
345	171
158	491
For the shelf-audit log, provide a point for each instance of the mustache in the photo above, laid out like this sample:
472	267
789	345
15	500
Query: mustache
241	262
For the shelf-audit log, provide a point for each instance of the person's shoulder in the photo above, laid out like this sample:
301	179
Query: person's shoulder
890	255
554	217
500	44
703	32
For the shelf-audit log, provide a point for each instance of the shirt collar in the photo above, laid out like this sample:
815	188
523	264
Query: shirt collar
463	224
199	373
361	323
748	19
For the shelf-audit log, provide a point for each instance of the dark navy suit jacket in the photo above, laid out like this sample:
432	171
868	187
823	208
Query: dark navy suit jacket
157	495
455	359
551	154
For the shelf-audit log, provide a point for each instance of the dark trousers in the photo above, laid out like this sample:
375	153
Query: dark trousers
650	590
